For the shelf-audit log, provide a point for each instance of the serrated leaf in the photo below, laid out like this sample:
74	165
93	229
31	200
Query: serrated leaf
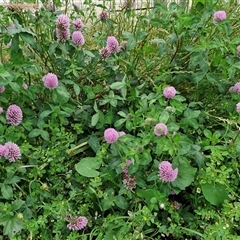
12	225
214	193
16	204
87	167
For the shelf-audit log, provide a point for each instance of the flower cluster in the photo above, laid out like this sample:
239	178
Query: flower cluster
219	16
111	47
103	16
14	115
166	172
238	107
2	89
76	223
77	24
169	92
235	88
160	129
62	27
78	38
10	151
111	135
50	81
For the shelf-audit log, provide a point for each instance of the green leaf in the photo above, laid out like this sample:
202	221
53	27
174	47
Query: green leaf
117	85
214	193
207	133
121	202
7	191
14	86
44	134
87	167
94	143
186	174
34	133
95	119
64	95
76	89
28	38
16	204
164	117
12	225
45	113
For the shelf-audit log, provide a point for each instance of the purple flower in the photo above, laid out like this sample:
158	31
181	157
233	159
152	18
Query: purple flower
238	107
78	38
111	135
76	223
3	150
103	16
77	24
25	86
62	22
12	152
50	81
125	168
160	129
235	88
62	35
166	173
238	51
169	92
14	115
113	45
104	52
1	110
129	181
219	16
2	89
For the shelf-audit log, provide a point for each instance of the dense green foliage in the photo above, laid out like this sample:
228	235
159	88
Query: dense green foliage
66	165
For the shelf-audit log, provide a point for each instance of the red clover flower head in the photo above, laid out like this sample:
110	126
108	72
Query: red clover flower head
76	223
62	22
14	115
125	168
105	53
2	89
12	152
3	150
219	16
235	88
63	35
103	16
113	45
77	24
166	172
111	135
25	86
160	129
238	107
50	81
169	92
78	38
129	181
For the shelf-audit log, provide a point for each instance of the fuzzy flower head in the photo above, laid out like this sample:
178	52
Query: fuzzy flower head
111	135
63	35
125	168
76	223
78	38
169	92
62	22
219	16
77	24
235	88
105	53
238	107
103	16
113	45
25	86
2	89
50	81
12	152
166	172
160	129
129	181
1	110
14	115
3	150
